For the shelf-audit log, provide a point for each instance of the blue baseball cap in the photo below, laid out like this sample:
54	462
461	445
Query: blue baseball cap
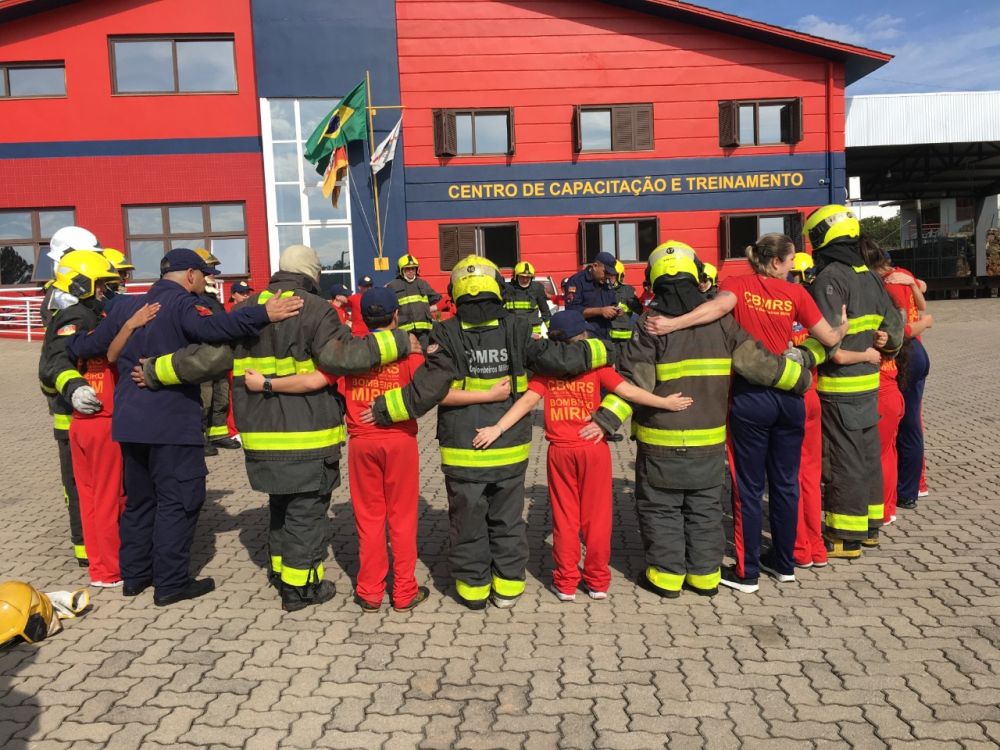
608	261
240	287
338	290
182	258
566	325
378	301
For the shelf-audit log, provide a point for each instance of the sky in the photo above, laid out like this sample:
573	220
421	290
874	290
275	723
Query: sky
938	46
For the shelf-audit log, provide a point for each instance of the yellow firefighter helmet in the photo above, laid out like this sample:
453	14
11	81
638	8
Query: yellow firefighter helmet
24	612
673	259
830	223
473	276
79	271
524	268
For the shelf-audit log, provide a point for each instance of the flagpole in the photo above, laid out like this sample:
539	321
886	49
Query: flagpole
374	177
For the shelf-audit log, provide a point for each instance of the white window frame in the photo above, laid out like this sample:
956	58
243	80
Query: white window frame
307	178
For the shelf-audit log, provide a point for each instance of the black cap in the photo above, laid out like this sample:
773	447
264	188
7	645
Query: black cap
608	261
339	289
240	287
182	259
378	301
366	281
566	325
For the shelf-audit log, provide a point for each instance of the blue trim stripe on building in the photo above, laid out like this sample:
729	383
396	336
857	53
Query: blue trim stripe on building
621	186
144	147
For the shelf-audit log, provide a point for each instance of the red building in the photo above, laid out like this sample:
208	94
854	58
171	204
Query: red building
137	120
548	131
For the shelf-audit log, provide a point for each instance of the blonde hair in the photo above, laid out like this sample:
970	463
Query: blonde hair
771	246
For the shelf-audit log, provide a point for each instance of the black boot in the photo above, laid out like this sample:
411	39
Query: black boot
294	598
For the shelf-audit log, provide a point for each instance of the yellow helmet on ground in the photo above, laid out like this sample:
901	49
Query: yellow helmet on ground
673	259
473	276
407	261
207	256
79	271
24	612
710	273
830	223
118	259
524	268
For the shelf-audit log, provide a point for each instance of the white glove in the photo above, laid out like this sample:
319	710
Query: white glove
85	400
68	604
795	355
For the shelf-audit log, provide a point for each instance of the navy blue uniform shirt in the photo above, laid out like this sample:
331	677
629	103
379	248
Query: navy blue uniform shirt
170	416
583	292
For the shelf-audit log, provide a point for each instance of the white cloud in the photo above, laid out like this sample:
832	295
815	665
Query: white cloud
866	31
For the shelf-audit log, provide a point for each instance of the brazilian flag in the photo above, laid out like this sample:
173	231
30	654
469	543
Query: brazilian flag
327	146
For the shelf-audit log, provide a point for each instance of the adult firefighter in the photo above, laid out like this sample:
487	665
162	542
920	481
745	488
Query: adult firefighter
628	303
522	295
848	393
291	442
477	350
416	298
680	466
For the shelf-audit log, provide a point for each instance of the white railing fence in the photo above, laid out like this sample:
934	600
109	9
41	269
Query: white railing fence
21	317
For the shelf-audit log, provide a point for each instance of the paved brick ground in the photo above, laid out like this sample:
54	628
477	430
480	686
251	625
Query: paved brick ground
900	649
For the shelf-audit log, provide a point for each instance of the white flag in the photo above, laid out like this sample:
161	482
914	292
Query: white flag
386	149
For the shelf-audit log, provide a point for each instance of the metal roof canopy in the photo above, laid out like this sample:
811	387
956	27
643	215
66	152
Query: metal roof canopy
938	145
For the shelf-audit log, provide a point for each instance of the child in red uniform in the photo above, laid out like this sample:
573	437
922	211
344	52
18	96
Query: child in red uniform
358	327
579	461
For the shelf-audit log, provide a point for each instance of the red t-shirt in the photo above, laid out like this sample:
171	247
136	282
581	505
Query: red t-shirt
569	403
102	376
767	308
358	327
361	390
902	297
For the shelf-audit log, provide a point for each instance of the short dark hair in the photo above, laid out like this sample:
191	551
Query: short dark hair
376	317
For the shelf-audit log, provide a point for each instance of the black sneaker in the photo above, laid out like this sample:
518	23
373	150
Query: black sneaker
908	503
422	593
767	567
134	588
294	598
227	442
211	450
193	589
733	581
83	562
369	608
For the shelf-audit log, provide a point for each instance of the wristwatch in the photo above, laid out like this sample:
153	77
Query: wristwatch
267	387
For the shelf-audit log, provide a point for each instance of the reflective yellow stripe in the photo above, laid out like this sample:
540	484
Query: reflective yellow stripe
413	299
396	406
276	563
694	368
64	377
486	324
471	458
841	522
61	421
472	593
876	512
816	349
621	333
80	552
507	588
864	323
705	582
847	384
617	406
264	296
387	350
420	326
537	329
46	390
484	384
300	577
681	438
218	431
598	353
164	369
279	366
520	305
664	580
860	269
623	306
292	441
790	376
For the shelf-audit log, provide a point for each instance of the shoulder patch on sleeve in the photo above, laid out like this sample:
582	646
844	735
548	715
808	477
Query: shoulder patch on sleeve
829	290
202	311
66	330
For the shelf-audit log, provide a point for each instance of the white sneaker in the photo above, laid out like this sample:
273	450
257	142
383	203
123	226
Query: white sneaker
804	566
598	595
500	603
923	493
106	584
892	520
779	577
561	596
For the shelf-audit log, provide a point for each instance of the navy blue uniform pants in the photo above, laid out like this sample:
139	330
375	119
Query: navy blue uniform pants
910	439
766	428
165	485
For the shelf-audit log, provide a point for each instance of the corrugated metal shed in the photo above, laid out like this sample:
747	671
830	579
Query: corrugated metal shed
905	119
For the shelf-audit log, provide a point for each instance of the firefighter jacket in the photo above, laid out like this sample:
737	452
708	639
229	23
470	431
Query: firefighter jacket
58	375
531	303
628	303
415	300
470	357
869	309
285	436
688	448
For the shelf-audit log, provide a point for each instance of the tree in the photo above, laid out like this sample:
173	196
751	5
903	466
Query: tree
884	231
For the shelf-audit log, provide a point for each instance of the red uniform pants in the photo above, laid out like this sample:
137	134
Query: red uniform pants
891	407
97	464
580	491
809	546
385	486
